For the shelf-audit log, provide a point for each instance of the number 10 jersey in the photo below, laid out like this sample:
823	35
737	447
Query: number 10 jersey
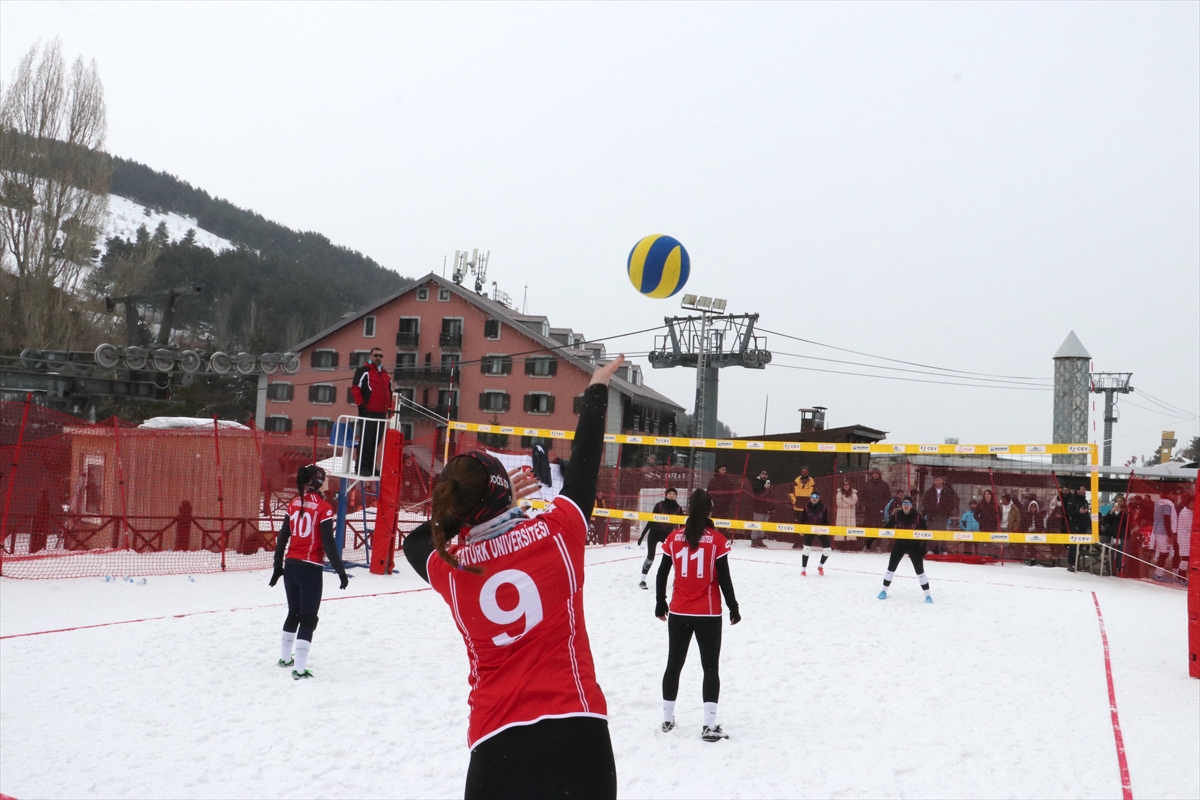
522	622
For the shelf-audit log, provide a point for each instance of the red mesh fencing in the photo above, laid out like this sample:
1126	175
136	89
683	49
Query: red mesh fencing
112	499
1148	541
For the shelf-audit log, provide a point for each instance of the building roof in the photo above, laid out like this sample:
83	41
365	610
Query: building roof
1072	348
503	312
846	433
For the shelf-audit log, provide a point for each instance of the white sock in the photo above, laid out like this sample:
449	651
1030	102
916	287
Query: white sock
302	647
921	579
285	646
668	710
644	574
710	715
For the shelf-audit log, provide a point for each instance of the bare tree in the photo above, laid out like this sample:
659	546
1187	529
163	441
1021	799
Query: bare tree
54	180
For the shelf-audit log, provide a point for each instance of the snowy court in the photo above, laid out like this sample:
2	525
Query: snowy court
998	689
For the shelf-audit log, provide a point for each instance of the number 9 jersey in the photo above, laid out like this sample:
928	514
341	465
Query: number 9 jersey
696	592
522	622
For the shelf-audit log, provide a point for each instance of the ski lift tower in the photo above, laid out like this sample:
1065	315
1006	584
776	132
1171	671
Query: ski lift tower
709	342
1110	384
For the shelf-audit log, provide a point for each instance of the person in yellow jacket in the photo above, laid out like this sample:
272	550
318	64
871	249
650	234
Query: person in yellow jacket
802	489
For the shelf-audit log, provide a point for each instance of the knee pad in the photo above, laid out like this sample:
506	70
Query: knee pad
826	550
291	622
807	549
308	621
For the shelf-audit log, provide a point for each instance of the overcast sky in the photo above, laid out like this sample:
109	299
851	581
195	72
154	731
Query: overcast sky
958	185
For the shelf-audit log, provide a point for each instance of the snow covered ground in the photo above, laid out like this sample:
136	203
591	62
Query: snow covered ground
996	690
125	216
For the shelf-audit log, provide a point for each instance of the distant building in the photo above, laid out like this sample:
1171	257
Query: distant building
459	355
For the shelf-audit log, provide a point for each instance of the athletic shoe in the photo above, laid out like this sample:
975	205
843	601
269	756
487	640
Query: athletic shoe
803	573
758	543
882	595
291	660
928	599
296	675
713	734
667	727
643	585
820	571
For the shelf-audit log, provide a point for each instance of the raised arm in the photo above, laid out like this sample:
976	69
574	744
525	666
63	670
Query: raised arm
579	484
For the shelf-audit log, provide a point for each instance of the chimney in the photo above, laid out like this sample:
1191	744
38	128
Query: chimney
812	419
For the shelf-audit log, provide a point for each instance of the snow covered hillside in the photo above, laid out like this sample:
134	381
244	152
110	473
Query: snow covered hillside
125	216
998	689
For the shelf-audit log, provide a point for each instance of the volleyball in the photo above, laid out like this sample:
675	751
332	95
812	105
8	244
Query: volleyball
658	266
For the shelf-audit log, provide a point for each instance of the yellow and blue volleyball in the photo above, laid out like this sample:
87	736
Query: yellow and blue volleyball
658	266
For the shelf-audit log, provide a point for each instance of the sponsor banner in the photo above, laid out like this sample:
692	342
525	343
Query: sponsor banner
964	536
753	526
785	528
1080	538
722	523
630	515
860	448
999	537
755	445
930	448
820	529
997	448
826	447
965	448
886	534
922	534
1079	448
662	518
507	429
856	531
1035	448
662	439
633	439
791	446
724	443
1034	537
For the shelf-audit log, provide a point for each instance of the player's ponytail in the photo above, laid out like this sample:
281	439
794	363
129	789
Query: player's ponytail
459	489
699	508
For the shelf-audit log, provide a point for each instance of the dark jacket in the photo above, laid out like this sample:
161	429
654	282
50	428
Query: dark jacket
940	508
988	515
875	494
660	530
816	513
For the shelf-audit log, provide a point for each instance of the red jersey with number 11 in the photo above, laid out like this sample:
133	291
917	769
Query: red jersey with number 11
305	516
696	592
522	621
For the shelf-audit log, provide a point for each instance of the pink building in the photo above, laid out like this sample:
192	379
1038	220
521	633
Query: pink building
458	355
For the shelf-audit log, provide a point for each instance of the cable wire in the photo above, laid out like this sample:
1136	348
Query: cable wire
900	369
896	360
916	380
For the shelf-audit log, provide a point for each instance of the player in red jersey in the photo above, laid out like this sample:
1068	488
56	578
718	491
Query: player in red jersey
307	539
697	553
514	584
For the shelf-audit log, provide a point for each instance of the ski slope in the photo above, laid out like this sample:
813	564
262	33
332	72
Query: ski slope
125	216
998	689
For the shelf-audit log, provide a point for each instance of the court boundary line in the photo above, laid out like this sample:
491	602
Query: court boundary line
1122	762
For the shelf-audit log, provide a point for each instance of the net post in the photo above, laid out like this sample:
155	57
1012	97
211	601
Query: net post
124	531
1095	475
12	474
220	490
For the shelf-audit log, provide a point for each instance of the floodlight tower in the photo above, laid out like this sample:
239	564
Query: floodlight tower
1109	384
709	342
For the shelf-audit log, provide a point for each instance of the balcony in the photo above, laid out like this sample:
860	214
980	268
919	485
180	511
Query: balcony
426	375
450	341
447	411
409	340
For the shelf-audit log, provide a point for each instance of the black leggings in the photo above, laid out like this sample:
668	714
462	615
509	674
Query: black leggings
680	628
653	540
302	581
907	547
826	541
570	757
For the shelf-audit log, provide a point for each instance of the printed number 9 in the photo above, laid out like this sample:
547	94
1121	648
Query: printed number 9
529	603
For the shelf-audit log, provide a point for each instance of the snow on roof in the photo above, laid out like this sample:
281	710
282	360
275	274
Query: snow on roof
178	423
1072	348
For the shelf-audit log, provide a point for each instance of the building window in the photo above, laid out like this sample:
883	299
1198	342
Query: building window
358	358
493	401
324	393
577	406
494	441
280	391
541	366
491	329
406	397
324	359
495	365
406	430
539	403
529	441
277	423
409	334
423	293
452	332
369	327
443	295
449	367
447	404
319	427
